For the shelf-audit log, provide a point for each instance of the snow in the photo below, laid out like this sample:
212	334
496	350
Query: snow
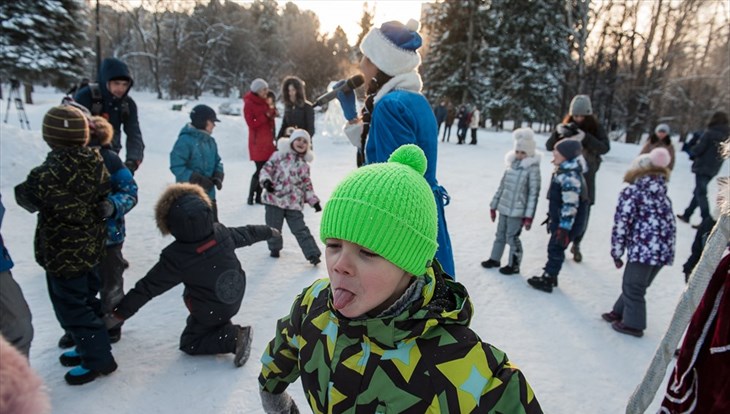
574	361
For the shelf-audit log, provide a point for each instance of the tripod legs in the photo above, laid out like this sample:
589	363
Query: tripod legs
22	116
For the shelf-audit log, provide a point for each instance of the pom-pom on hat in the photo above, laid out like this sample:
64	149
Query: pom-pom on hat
392	47
201	114
258	84
662	128
525	141
658	157
387	208
65	126
581	106
569	148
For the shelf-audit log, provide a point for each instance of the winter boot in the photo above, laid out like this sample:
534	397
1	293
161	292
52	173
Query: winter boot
115	334
611	317
81	375
66	341
544	282
509	269
274	254
618	326
575	249
314	260
490	264
70	358
243	345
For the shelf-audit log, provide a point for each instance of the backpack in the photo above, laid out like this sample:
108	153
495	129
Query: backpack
97	102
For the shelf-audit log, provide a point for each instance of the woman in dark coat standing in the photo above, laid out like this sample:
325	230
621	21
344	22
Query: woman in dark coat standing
298	111
580	124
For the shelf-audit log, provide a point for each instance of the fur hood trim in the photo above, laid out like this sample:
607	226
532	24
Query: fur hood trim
636	173
168	197
22	390
509	158
284	145
102	132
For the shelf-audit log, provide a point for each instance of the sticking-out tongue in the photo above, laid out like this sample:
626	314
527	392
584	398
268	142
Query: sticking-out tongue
342	298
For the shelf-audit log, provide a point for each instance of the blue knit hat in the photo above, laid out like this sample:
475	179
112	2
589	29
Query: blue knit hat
392	47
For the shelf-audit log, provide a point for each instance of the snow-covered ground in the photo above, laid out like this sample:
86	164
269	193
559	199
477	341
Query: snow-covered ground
572	358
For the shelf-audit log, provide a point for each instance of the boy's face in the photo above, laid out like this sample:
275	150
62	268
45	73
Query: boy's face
118	87
299	145
361	280
557	157
520	155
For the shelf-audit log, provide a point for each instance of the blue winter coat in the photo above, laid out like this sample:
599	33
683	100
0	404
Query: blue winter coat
644	224
568	198
6	263
403	117
112	68
123	195
195	151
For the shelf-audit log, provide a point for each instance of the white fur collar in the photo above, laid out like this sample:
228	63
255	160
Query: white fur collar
509	158
283	145
410	81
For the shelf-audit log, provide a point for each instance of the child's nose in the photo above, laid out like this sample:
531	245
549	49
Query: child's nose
344	264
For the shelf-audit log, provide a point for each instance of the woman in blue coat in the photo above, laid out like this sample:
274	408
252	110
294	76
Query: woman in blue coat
395	112
194	157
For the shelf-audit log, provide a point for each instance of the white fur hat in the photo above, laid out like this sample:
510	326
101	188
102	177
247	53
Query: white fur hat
392	47
525	141
284	144
658	157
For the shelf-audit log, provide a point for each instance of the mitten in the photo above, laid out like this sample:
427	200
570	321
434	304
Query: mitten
493	214
527	222
347	101
201	180
132	165
618	263
317	207
278	403
562	238
105	209
269	186
218	180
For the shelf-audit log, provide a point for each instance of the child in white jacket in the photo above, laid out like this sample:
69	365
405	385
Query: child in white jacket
285	177
515	200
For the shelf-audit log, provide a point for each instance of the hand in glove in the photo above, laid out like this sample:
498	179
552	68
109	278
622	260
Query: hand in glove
278	403
218	180
527	222
493	214
201	180
111	321
132	165
317	207
269	186
347	101
618	263
562	238
105	209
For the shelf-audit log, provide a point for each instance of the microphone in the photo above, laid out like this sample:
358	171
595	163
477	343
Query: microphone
351	84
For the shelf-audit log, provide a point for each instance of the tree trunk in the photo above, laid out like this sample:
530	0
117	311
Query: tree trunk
28	87
470	49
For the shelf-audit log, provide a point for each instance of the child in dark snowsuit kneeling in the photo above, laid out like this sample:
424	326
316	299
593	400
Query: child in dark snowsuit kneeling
203	258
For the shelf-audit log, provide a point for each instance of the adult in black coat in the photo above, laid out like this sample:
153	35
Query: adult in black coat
298	111
203	258
707	161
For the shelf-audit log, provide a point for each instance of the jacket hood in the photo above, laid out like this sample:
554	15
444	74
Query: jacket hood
113	68
284	145
509	158
185	211
635	174
442	302
190	130
722	129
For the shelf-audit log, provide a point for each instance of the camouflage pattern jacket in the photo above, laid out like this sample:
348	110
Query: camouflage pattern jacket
424	359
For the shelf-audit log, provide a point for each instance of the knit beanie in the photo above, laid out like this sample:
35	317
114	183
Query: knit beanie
525	141
392	47
662	128
581	106
65	126
658	157
387	208
258	84
569	148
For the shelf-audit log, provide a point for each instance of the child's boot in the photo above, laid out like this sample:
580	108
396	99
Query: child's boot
81	375
488	264
512	269
70	358
545	282
66	341
577	255
243	345
314	260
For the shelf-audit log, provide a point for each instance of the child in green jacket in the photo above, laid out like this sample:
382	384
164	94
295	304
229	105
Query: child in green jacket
387	332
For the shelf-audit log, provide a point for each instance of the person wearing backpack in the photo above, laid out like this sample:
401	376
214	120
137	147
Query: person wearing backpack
109	98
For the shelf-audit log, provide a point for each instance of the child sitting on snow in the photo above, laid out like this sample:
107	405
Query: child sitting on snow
516	200
203	258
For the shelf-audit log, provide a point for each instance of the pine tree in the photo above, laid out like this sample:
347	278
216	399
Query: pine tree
43	40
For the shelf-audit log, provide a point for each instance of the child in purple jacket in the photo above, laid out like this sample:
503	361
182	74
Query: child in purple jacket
644	227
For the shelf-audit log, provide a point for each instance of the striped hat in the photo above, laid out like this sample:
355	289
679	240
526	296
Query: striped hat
65	126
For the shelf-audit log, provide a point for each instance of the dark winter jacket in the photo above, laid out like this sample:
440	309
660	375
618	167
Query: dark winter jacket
6	263
706	153
112	68
195	151
202	257
65	191
297	116
644	223
595	143
440	113
655	142
260	120
123	195
567	198
423	359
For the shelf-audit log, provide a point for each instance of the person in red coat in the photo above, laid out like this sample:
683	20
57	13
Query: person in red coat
259	116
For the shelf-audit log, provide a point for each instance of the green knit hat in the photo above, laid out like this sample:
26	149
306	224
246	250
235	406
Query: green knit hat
388	208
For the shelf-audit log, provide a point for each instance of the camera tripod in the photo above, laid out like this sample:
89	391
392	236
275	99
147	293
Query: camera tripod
14	95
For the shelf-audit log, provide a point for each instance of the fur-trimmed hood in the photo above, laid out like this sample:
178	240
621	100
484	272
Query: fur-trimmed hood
284	145
102	132
509	158
185	211
634	174
22	390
